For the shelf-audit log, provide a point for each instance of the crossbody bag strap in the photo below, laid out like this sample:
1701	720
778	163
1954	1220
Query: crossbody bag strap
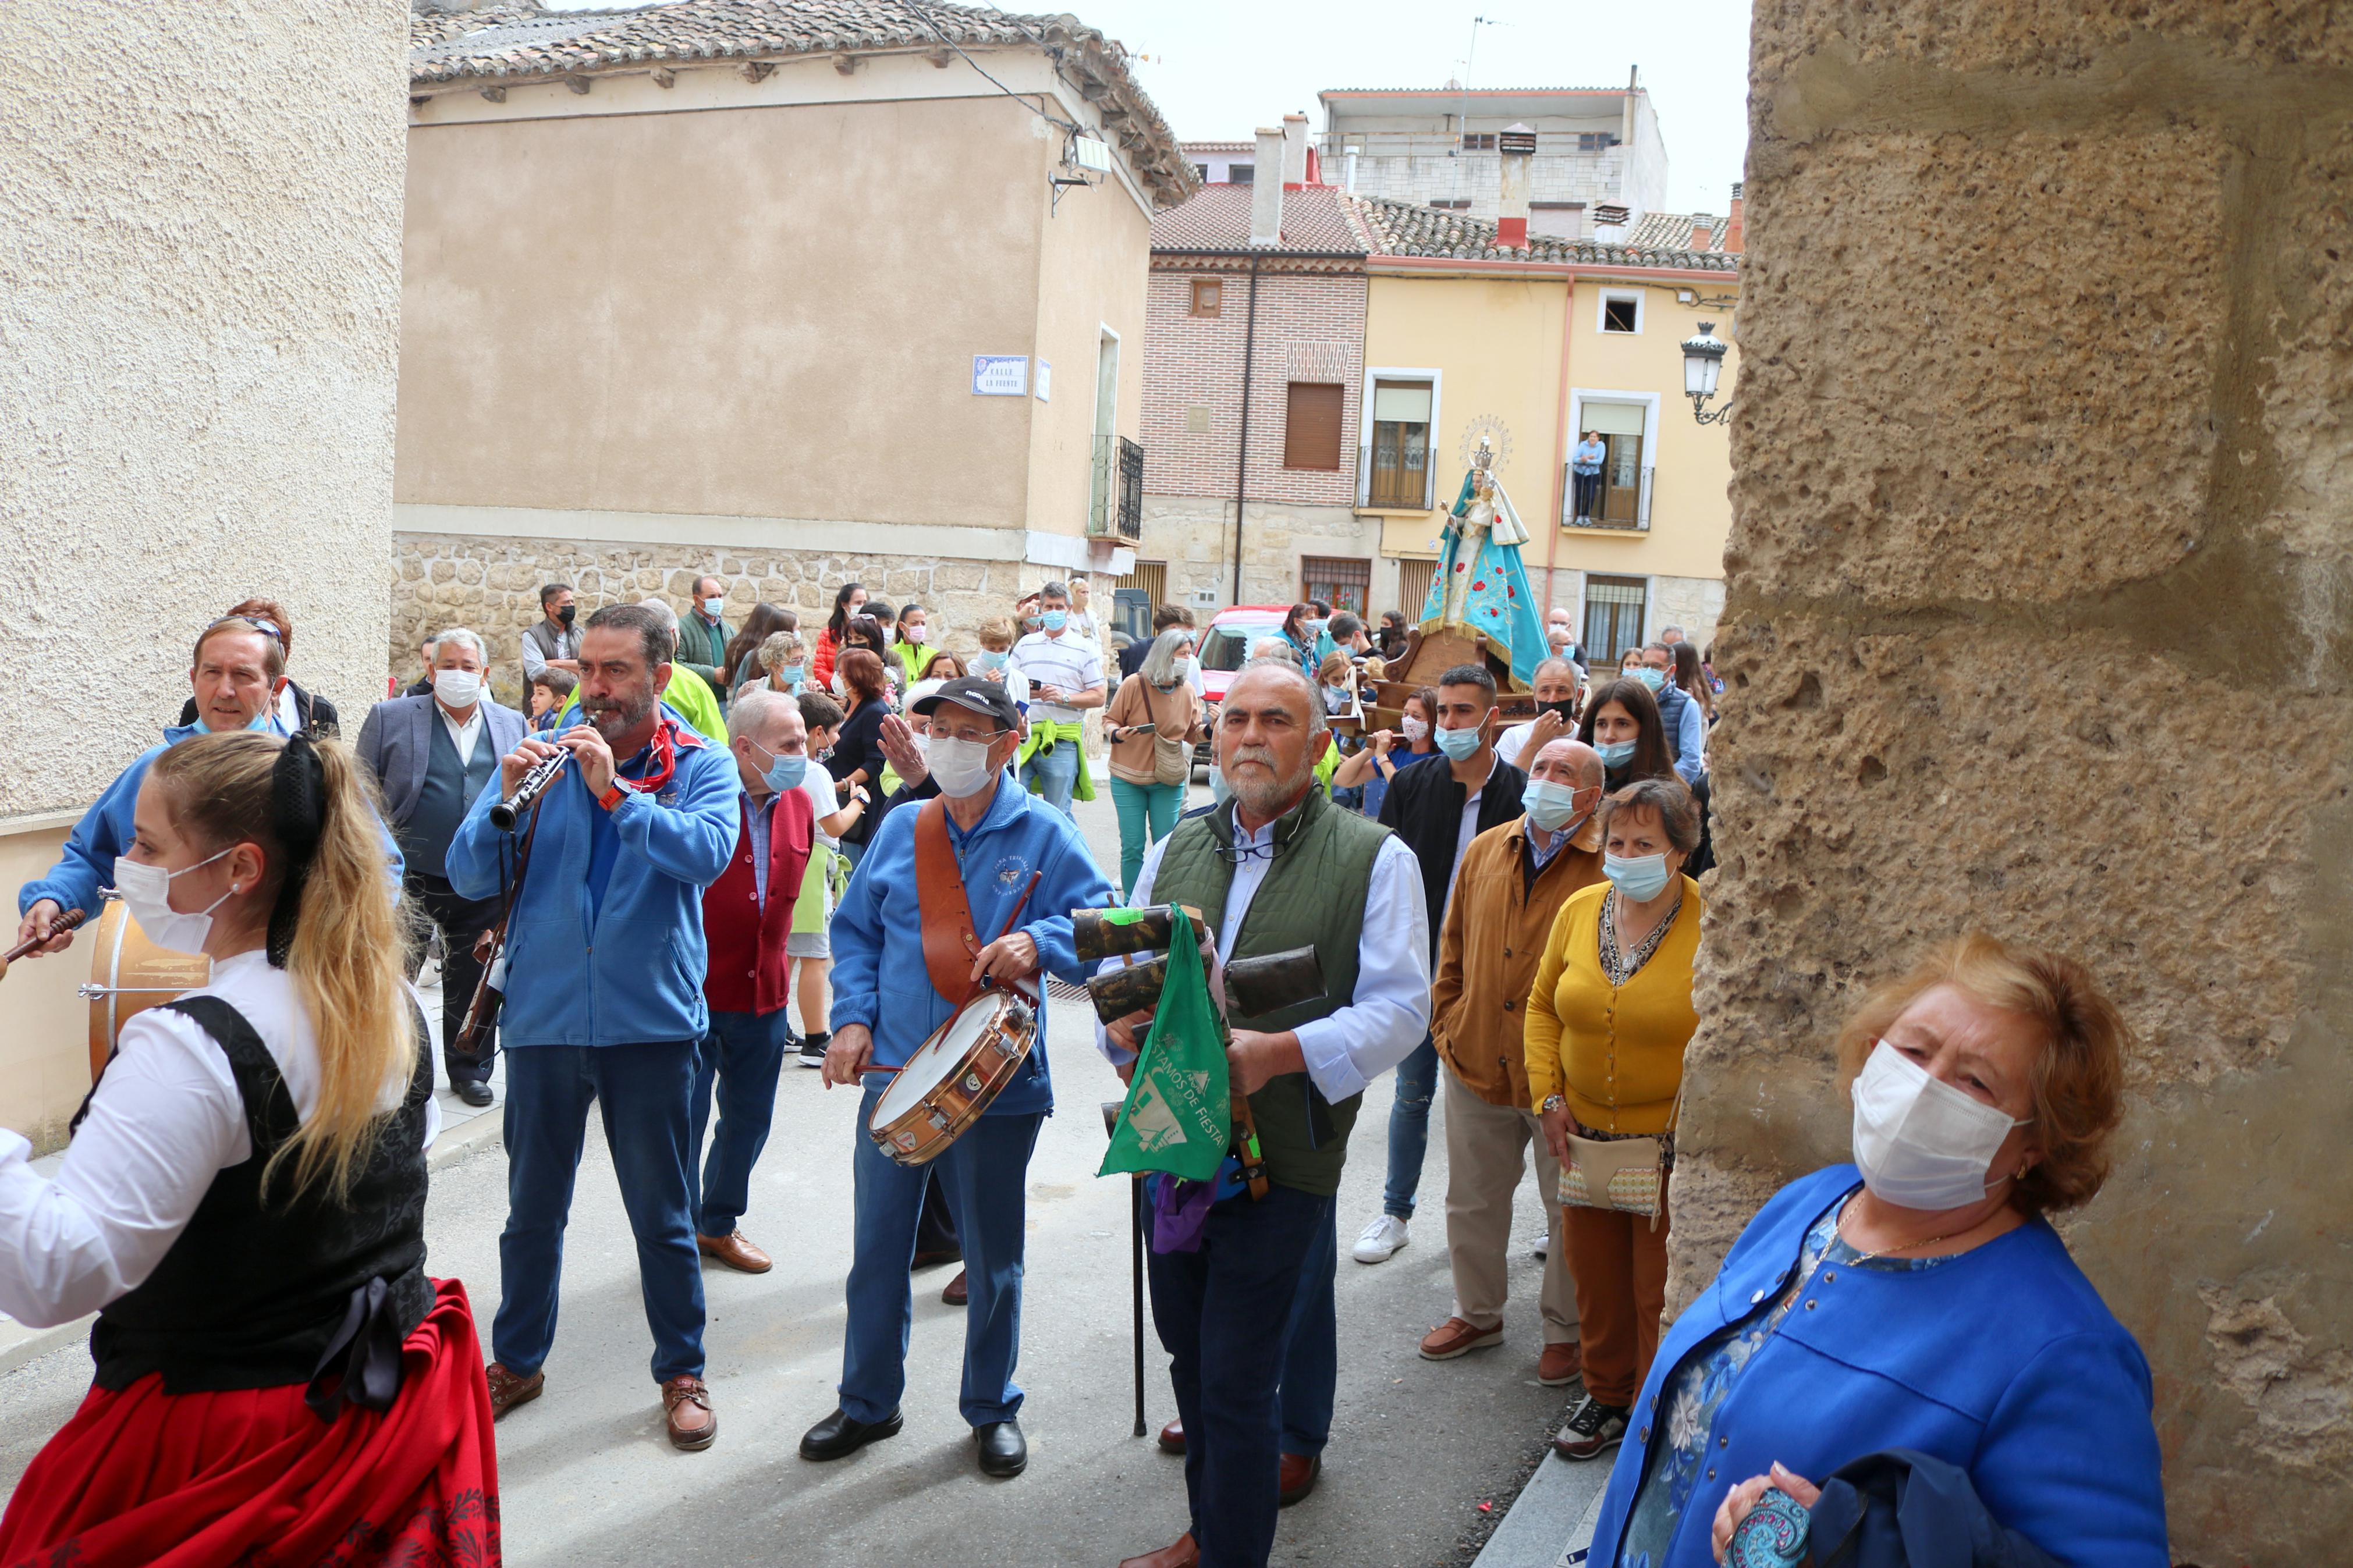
949	942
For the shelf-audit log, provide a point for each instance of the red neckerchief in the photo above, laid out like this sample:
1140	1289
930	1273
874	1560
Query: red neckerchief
664	766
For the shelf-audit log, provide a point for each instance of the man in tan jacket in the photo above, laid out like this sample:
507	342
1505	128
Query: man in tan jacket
1513	881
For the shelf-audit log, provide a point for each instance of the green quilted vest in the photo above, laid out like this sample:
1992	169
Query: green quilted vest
1313	895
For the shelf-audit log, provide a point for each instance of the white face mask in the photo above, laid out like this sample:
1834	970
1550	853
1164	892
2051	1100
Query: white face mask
458	688
960	766
146	892
1920	1142
1415	729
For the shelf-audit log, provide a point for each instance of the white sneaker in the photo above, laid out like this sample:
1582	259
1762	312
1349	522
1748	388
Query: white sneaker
1381	1240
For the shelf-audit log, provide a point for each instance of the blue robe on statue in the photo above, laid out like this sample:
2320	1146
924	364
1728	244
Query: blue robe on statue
1497	602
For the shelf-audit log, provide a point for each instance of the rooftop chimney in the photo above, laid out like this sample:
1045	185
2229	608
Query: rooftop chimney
1294	151
1266	190
1732	224
1516	144
1703	233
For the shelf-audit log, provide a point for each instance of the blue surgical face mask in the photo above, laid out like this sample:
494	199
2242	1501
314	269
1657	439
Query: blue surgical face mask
785	769
1054	620
258	721
988	661
1313	628
1460	745
791	674
1654	679
1615	753
1552	804
1640	878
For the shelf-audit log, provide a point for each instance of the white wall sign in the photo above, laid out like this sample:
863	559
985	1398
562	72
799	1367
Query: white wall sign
1045	380
1000	375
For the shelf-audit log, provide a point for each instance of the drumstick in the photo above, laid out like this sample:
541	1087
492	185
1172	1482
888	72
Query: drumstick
58	927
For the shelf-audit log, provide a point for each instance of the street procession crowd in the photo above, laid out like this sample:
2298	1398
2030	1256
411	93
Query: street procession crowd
705	850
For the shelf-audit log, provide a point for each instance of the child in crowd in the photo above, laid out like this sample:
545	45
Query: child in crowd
1332	676
809	944
994	661
549	688
785	658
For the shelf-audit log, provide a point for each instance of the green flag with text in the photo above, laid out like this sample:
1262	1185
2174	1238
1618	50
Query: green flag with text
1178	1115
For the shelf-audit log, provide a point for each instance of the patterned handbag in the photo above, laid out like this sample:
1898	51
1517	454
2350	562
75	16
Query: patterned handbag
1625	1175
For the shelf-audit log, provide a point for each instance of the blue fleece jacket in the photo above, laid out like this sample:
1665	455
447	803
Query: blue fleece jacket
105	831
2003	1362
878	977
621	966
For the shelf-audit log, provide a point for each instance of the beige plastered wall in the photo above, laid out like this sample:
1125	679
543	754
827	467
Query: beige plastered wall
199	294
2036	624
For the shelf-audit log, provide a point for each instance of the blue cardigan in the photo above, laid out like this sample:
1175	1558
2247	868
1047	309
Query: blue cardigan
2003	1362
880	979
626	969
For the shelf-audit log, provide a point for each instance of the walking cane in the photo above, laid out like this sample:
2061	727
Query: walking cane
1110	1109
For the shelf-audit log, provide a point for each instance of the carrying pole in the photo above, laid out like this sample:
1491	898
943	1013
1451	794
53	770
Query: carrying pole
1135	1256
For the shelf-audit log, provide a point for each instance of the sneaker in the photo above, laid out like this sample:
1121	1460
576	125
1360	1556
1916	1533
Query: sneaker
813	1050
1381	1240
1592	1430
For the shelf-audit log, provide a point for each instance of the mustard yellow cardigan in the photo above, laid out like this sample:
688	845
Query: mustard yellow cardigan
1614	1052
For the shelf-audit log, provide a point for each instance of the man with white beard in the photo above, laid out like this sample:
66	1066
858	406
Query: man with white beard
1273	868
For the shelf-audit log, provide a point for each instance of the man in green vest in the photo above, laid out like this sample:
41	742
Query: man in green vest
1274	867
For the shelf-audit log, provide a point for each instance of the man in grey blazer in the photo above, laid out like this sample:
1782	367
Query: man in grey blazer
432	755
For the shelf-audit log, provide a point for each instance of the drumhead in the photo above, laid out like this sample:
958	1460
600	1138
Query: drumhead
932	1063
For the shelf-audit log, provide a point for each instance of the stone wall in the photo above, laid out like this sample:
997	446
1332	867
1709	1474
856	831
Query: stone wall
1195	535
2036	624
491	585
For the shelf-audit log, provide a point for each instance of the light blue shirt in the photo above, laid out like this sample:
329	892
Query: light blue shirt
1587	456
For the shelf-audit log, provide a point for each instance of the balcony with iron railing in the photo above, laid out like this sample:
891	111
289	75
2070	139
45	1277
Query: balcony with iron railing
1116	509
1623	505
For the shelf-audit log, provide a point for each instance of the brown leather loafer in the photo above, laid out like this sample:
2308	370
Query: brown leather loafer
1561	1364
736	1250
1182	1553
1172	1440
1457	1337
686	1408
959	1290
1296	1477
507	1390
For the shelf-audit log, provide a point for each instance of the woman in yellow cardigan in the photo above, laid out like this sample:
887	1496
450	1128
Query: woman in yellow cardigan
1607	1020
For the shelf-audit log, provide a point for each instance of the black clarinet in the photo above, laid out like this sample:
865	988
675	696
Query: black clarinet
508	811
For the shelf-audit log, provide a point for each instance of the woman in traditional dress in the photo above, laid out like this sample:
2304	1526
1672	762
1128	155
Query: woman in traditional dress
1480	586
243	1205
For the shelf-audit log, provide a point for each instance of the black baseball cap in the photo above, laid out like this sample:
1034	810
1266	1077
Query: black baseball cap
979	696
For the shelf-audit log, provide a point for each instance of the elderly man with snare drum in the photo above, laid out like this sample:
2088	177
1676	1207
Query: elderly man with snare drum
1275	867
996	872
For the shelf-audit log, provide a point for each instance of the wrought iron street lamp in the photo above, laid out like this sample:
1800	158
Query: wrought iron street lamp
1702	362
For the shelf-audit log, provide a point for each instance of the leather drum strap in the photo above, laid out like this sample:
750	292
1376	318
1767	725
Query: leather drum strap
949	942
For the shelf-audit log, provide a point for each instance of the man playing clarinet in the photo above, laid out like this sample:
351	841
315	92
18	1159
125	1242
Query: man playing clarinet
605	962
1020	867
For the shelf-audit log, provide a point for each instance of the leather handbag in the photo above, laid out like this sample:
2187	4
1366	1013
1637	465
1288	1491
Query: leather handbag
1172	761
1627	1175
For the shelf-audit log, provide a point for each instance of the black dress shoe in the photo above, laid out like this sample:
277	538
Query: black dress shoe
474	1091
838	1436
1003	1451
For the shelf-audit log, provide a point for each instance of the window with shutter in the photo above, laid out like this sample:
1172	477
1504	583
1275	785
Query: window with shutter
1311	437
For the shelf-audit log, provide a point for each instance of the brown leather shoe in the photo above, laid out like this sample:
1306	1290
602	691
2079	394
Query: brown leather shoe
1457	1337
959	1292
1296	1477
736	1250
507	1390
1183	1553
1172	1438
1560	1364
686	1406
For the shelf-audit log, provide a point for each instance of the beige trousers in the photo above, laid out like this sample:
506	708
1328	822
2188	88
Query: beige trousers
1486	1155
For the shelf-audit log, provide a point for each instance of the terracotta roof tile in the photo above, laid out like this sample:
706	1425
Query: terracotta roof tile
1672	231
1218	217
1400	228
500	43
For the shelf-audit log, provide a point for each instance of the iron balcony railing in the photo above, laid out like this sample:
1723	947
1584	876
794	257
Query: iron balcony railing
1623	507
1116	504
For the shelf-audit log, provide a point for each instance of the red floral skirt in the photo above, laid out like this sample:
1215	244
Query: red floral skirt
251	1478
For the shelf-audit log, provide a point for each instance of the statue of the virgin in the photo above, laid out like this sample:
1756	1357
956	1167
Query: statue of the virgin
1480	586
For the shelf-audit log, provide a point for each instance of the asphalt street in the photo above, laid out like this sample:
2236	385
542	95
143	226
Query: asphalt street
588	1478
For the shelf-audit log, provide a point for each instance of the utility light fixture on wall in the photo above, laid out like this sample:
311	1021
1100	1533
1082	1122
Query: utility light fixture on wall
1703	364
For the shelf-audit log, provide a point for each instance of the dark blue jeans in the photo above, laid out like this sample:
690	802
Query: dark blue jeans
1213	1309
745	1053
985	1175
1416	1084
643	1092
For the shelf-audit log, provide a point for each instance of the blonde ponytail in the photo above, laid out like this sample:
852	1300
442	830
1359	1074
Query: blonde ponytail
347	953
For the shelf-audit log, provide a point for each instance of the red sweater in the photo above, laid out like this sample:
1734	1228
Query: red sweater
749	971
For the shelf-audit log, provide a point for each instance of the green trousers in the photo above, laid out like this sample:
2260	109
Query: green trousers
1147	813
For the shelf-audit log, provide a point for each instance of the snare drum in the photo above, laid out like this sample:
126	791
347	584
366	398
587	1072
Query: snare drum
953	1077
128	974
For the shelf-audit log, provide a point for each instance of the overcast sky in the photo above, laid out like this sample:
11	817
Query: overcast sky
1219	68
